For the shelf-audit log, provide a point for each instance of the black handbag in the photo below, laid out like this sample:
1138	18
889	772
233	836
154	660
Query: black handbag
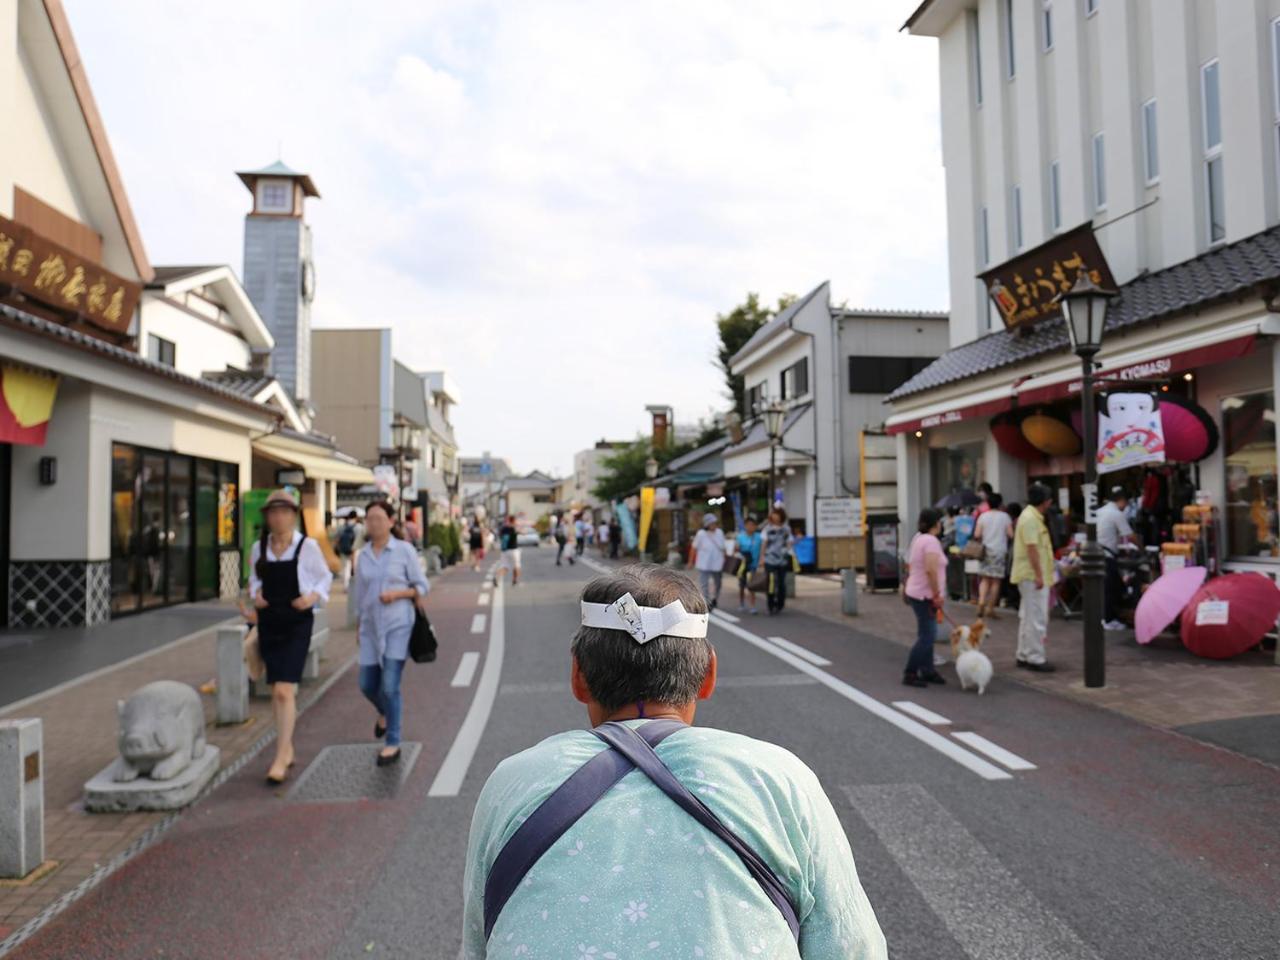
422	642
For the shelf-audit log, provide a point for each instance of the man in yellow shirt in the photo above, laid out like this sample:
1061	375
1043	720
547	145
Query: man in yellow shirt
1033	572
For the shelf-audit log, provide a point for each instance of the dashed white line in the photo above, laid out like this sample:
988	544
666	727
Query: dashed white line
996	752
483	600
921	713
478	622
801	652
466	669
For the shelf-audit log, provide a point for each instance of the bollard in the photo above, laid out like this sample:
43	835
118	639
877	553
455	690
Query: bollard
319	637
791	584
21	798
233	678
849	578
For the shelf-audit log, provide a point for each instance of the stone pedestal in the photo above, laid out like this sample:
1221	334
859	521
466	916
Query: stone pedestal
849	592
103	794
21	797
233	677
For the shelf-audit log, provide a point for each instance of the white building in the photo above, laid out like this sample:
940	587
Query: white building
1138	137
588	470
831	367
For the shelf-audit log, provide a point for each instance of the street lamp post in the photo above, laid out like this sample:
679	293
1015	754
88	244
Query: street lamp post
1084	307
651	468
774	414
402	438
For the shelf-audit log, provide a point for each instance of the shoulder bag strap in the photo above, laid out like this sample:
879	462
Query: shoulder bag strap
558	813
637	749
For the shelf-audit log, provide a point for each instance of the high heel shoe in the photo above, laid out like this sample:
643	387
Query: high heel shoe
379	730
386	761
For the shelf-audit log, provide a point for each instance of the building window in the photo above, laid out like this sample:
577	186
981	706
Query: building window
1016	211
755	399
273	196
1046	18
958	467
882	375
977	57
1150	146
1055	197
1215	188
795	380
984	237
1099	171
1249	458
1010	64
1090	7
161	350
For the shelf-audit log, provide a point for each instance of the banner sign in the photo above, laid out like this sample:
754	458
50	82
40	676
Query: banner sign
1130	431
1023	289
53	275
647	497
739	522
26	405
628	524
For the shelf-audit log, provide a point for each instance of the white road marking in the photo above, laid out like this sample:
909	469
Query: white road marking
466	669
996	752
985	907
478	622
920	713
801	652
948	748
449	778
483	600
725	616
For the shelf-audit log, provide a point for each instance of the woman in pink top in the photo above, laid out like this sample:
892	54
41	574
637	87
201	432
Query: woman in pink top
925	593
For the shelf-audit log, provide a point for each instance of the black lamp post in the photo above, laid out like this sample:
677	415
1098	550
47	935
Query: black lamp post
404	438
1084	307
774	414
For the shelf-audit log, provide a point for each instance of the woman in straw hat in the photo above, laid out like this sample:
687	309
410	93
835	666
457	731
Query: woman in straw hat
288	577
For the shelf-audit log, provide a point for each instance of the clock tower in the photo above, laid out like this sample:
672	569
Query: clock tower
278	273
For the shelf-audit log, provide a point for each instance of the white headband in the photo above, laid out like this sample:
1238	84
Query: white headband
645	623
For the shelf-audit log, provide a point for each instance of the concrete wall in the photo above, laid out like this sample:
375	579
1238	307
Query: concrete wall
201	346
352	389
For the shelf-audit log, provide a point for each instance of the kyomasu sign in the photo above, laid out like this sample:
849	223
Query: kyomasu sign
73	285
1152	369
1024	288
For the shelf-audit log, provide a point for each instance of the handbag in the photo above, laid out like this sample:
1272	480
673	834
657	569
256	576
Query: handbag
759	581
972	550
732	563
422	641
253	662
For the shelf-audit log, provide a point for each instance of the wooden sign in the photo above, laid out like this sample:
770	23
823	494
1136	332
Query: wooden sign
52	275
1023	289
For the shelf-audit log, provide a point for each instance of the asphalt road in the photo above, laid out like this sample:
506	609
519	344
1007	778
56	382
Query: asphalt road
1107	839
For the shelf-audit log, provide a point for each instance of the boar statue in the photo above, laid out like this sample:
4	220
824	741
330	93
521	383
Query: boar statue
161	732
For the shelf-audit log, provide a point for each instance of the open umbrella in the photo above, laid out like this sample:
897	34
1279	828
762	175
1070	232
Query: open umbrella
959	499
343	512
1164	600
1229	615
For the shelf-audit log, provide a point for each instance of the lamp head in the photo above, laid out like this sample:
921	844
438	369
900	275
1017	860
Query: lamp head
1084	308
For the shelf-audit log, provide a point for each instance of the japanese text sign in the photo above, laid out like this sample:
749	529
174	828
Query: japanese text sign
1023	289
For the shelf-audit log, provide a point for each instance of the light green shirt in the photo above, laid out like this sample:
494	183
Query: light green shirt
638	877
1032	531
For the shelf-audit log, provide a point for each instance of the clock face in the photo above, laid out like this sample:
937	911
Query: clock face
308	281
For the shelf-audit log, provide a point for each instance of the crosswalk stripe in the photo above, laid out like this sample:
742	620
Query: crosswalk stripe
921	713
466	669
729	617
478	622
985	907
484	600
996	752
801	652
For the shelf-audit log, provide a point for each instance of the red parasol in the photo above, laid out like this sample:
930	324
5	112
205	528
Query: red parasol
1252	604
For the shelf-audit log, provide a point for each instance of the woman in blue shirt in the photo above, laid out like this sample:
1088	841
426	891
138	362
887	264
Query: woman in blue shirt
389	582
749	549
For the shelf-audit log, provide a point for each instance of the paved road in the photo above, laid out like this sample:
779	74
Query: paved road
1107	840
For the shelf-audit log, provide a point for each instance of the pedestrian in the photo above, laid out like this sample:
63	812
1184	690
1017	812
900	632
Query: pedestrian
926	593
615	537
288	577
1114	532
709	548
749	541
561	537
475	543
778	543
345	546
509	542
389	582
602	538
570	529
994	530
985	491
1033	572
581	531
636	884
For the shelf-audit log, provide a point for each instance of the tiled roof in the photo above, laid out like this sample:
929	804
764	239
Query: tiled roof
166	275
775	324
244	382
1219	275
700	453
756	435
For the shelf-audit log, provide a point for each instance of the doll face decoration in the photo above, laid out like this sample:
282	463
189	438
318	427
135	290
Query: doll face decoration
1129	431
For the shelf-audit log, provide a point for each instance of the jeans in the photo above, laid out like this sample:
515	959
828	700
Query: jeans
381	686
1113	586
709	578
777	590
560	544
920	659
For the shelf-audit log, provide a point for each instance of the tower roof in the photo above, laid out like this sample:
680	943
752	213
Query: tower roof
279	169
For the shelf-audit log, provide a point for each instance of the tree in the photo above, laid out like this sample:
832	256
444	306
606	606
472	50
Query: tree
736	328
623	469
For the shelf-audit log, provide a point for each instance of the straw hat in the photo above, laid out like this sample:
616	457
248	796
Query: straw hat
280	498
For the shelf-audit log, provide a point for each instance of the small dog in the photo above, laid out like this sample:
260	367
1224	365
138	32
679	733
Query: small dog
972	665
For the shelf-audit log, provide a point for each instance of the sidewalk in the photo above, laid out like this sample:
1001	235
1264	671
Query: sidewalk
79	740
1229	702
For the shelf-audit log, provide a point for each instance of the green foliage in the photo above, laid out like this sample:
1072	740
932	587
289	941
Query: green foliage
447	537
736	328
623	470
543	525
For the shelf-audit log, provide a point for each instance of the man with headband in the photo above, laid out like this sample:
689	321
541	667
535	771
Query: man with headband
645	836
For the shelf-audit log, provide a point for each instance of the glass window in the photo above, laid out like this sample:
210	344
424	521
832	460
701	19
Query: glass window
1010	65
958	467
1217	201
161	350
1099	171
1249	458
1150	147
1017	218
1055	196
273	196
1090	7
977	57
125	571
881	375
795	380
206	530
1211	105
755	399
985	237
1046	16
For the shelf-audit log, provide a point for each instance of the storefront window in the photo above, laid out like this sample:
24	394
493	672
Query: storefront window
1249	446
958	467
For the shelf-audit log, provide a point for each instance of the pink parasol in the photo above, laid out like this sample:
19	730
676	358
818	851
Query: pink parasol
1164	600
1248	602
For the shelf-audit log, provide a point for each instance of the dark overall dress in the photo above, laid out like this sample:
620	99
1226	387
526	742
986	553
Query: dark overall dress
284	634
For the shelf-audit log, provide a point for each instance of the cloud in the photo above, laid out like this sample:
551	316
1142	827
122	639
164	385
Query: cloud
550	198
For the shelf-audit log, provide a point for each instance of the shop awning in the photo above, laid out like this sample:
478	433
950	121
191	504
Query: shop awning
316	463
966	408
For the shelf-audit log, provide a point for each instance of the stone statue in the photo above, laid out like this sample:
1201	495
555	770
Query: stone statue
161	732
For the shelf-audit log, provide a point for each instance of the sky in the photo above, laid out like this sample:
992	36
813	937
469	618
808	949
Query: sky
550	199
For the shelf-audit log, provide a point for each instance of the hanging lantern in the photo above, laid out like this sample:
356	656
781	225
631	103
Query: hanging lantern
1190	434
1008	437
1051	435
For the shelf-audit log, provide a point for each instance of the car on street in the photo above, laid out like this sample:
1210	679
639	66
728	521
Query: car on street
528	538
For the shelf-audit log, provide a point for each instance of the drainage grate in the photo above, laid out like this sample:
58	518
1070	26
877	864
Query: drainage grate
349	772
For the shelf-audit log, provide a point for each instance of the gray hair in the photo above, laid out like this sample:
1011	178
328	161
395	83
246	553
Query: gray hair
619	671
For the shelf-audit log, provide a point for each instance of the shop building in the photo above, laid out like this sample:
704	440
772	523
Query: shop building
1133	142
